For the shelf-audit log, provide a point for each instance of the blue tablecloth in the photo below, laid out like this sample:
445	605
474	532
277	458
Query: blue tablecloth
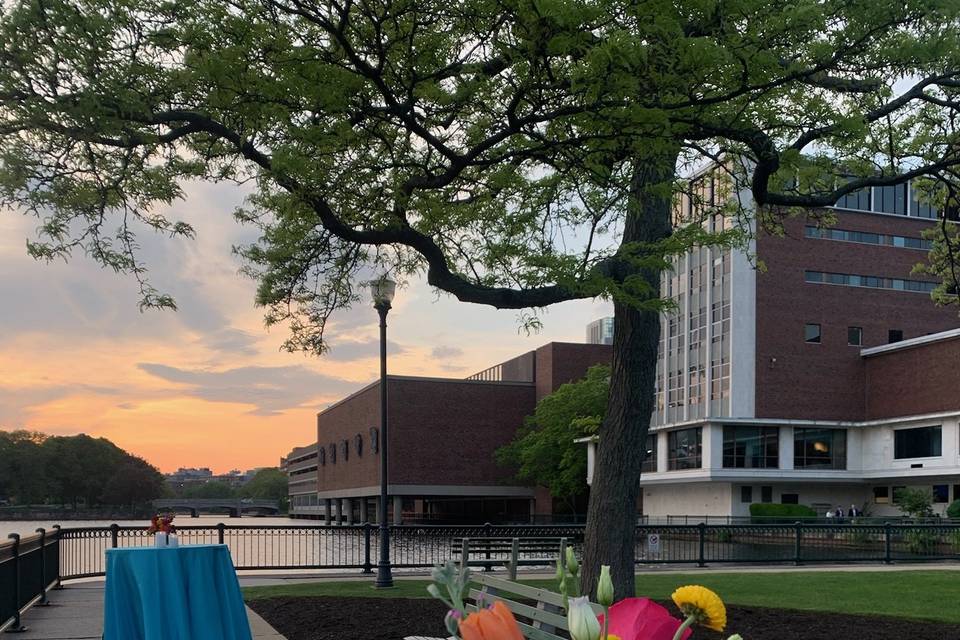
181	593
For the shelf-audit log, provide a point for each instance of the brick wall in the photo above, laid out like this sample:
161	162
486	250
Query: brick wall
441	432
914	381
810	381
562	362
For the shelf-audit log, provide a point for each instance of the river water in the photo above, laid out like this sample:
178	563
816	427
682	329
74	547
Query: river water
28	527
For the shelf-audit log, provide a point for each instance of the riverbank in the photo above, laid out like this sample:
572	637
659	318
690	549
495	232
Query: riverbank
20	514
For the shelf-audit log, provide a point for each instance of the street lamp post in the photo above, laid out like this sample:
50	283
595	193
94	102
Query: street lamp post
382	291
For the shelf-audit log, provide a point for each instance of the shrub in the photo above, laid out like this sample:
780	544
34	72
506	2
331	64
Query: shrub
770	510
953	511
920	541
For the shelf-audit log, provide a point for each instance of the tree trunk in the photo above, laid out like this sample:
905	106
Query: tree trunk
611	516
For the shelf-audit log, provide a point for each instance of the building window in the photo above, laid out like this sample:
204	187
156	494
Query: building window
789	498
811	333
859	200
896	494
684	449
881	495
956	492
894	335
891	199
923	442
748	447
649	464
855	336
746	495
941	493
819	448
865	237
766	494
869	282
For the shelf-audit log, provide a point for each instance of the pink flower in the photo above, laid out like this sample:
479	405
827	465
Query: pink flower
642	619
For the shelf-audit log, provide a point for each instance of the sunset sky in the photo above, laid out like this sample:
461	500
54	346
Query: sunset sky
207	385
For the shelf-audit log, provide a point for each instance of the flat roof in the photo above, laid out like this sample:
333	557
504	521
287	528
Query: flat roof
943	336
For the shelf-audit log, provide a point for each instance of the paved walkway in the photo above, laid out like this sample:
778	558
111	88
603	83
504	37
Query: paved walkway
76	613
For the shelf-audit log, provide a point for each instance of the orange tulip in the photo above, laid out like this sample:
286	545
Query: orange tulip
496	623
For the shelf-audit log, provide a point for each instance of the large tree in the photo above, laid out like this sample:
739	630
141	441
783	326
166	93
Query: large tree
518	153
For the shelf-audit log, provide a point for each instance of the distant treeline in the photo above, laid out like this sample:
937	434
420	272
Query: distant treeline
73	470
268	484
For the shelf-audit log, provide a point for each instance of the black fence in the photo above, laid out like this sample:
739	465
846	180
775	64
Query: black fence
30	566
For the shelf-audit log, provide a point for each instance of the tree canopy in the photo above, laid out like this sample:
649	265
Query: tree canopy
490	145
267	484
37	469
516	153
544	451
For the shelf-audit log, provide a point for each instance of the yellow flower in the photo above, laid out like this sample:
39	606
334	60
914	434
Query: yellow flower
703	605
610	636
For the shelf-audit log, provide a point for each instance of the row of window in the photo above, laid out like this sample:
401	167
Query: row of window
813	334
872	282
896	199
941	494
864	237
751	447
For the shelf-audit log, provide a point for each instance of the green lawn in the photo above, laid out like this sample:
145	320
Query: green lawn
906	594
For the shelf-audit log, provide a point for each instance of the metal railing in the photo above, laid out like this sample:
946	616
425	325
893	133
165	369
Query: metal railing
320	547
28	568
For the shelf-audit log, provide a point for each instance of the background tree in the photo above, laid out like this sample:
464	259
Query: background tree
37	469
134	482
267	484
21	460
212	489
518	153
544	451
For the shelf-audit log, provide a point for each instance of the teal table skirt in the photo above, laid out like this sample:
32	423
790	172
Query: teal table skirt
173	593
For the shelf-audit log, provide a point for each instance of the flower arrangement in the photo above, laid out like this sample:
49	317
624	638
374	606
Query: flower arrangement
161	524
635	618
629	619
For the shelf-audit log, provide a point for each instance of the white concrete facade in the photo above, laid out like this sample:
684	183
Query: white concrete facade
870	462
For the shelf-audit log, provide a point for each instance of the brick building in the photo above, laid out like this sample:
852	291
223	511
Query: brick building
829	378
443	435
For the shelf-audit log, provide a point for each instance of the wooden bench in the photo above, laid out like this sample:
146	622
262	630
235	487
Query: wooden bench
509	552
539	612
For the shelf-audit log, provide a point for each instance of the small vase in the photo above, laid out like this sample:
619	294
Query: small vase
162	539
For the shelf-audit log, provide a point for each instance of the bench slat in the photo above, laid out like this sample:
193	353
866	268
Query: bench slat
525	610
527	631
531	593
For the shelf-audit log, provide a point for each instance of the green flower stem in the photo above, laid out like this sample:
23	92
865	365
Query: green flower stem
606	622
683	627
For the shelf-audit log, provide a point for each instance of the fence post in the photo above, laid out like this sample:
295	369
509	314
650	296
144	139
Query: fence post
887	556
797	542
486	555
220	529
58	586
16	627
702	539
514	559
367	565
114	535
43	567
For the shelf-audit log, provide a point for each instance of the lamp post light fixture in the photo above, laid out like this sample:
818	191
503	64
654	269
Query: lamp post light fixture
382	291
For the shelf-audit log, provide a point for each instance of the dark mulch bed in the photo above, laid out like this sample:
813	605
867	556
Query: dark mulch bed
328	618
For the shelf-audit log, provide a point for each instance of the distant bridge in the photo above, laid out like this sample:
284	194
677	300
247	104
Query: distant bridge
236	507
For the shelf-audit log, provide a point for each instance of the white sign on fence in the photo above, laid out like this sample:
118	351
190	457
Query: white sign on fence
653	543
